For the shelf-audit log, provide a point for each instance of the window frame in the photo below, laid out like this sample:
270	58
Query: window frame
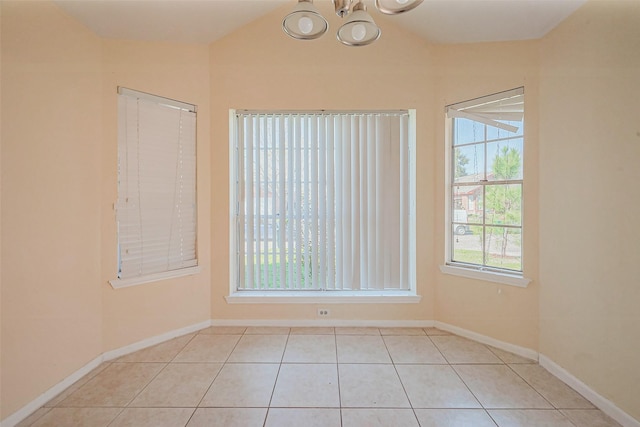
315	296
469	270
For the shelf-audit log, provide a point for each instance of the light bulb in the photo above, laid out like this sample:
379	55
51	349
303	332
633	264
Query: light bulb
305	24
358	32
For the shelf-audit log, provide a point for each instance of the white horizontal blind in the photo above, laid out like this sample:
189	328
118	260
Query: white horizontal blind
156	209
492	110
323	201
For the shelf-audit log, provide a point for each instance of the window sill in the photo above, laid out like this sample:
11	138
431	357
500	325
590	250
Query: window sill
323	297
134	281
488	276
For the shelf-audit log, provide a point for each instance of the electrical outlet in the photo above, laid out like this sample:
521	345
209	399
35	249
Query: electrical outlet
324	312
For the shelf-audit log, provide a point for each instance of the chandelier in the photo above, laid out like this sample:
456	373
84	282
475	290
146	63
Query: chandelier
359	29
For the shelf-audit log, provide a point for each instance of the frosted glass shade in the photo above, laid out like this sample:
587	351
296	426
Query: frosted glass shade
359	30
305	22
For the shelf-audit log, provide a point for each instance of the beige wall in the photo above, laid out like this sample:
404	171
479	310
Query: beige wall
176	71
261	68
51	138
589	209
58	175
465	72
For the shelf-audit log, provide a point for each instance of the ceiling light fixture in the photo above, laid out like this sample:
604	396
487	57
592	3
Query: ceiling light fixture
359	30
306	23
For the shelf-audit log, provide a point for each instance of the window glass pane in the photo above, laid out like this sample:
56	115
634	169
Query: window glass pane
467	204
504	160
504	247
466	131
467	246
503	204
468	163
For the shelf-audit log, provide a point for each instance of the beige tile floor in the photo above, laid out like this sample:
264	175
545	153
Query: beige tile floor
325	377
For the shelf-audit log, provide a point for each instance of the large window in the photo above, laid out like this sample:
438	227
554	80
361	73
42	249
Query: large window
156	209
486	181
323	201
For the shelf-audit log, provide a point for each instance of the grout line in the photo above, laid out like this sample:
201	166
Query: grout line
183	347
191	416
439	351
218	373
468	388
148	383
335	340
395	368
489	415
532	387
275	383
116	417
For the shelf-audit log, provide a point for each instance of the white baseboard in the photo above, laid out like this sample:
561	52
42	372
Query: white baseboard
148	342
325	322
512	348
41	400
599	401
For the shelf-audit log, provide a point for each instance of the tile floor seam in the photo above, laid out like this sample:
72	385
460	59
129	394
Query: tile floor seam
495	354
468	388
275	382
335	342
226	360
435	344
183	347
559	408
400	379
190	417
218	373
532	387
209	387
116	417
438	349
126	405
490	416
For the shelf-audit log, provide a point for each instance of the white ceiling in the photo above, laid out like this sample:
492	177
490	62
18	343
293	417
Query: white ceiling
204	21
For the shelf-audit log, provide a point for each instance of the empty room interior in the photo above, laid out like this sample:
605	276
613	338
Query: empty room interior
283	213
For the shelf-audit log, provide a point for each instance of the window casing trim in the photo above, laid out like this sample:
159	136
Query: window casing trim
140	280
483	273
323	297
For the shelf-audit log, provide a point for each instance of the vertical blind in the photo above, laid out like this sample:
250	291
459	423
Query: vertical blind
156	209
323	201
